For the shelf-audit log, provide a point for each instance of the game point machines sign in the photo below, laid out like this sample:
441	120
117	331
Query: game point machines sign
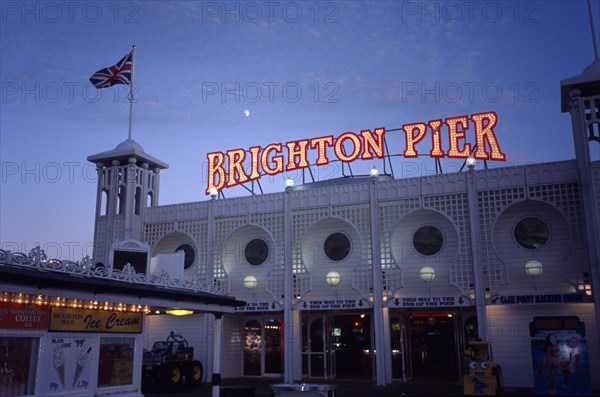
227	169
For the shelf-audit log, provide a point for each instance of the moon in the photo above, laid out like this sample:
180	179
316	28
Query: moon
246	113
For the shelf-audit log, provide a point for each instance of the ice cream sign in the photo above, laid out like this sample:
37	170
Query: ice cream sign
66	319
239	166
71	362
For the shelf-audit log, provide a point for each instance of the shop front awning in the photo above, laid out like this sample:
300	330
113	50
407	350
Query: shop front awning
36	282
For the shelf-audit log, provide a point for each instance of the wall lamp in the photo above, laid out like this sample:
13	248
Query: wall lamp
333	278
179	312
250	282
471	162
534	268
427	274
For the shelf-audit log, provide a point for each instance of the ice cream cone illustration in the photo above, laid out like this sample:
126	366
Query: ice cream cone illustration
59	364
82	358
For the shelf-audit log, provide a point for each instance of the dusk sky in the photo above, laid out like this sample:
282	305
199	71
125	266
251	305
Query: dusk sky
215	76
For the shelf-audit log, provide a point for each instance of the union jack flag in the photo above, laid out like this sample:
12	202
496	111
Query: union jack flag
117	74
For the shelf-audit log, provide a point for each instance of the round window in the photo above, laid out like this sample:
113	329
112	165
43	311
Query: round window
337	246
428	240
532	233
189	255
256	252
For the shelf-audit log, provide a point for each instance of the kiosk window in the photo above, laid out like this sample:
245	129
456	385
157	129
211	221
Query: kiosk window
18	363
116	362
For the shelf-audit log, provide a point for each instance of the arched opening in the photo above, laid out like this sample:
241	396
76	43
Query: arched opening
138	200
104	202
121	200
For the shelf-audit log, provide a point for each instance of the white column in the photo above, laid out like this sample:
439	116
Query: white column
387	344
378	323
209	319
216	376
99	193
130	199
156	186
296	333
478	283
288	324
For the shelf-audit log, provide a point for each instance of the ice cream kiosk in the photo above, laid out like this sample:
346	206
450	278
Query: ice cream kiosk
66	351
483	376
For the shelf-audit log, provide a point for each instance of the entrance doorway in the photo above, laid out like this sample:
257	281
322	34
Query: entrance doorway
430	345
433	346
337	346
263	347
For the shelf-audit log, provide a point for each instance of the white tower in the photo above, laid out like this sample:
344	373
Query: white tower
128	182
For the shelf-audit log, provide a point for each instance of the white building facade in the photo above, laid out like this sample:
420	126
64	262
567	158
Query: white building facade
369	277
390	279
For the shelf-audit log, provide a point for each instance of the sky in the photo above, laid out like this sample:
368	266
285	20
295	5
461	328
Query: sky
213	76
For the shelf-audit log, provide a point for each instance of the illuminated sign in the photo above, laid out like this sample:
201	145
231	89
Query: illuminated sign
227	169
538	298
65	319
328	304
430	301
13	315
260	307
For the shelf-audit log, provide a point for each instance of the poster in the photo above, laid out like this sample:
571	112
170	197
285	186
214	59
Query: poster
70	363
560	356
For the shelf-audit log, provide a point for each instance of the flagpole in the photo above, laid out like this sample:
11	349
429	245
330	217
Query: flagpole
594	43
131	88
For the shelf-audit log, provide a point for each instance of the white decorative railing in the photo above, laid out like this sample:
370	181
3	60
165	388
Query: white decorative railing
37	260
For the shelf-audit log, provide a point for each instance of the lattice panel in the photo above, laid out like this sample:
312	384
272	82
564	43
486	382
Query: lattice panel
455	206
491	203
273	223
198	230
100	250
223	228
359	217
566	197
155	231
390	213
119	228
301	221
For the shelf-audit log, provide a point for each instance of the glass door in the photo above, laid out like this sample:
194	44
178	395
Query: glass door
352	342
318	356
400	363
433	349
273	347
263	347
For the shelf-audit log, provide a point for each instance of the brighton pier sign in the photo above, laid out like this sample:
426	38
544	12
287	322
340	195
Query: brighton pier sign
227	169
